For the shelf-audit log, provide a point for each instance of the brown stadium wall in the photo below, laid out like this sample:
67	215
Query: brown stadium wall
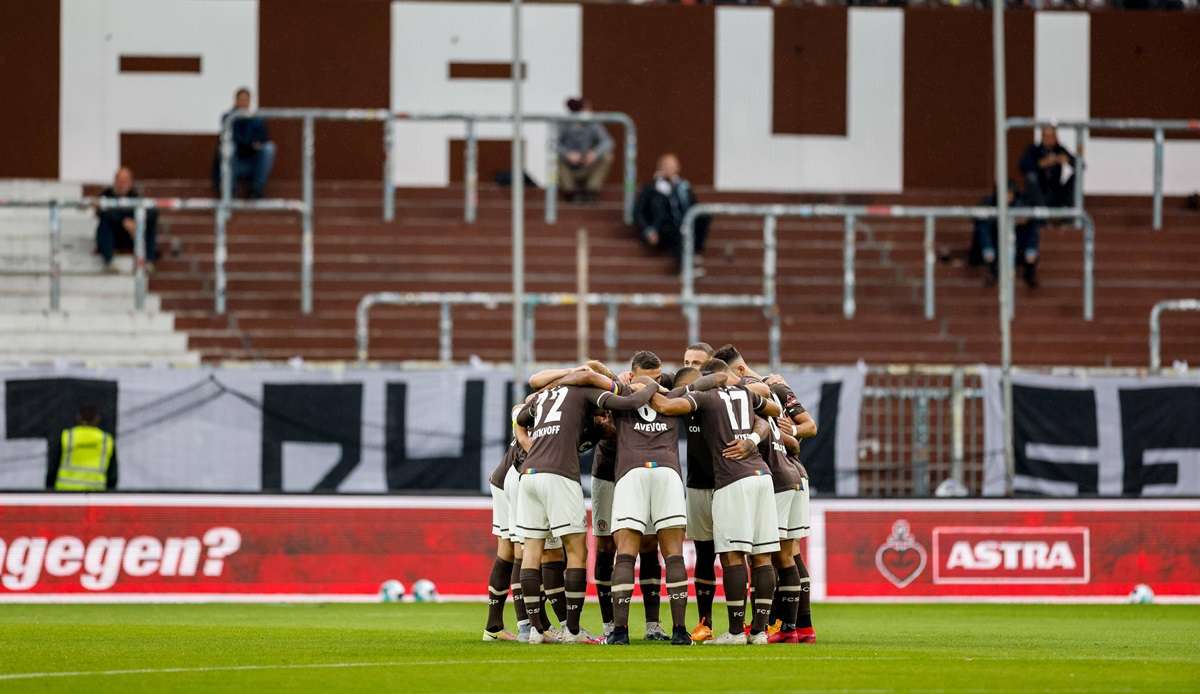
655	63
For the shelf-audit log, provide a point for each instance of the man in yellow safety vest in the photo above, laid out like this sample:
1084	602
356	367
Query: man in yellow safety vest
89	456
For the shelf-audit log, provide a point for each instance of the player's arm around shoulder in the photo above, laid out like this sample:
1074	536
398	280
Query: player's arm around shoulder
764	405
642	389
677	402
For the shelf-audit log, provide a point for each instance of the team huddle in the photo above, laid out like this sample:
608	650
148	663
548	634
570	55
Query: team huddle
746	502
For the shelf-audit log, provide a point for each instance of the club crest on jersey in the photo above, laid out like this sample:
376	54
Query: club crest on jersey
901	558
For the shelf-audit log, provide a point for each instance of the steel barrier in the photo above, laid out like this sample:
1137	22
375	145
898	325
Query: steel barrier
1081	128
140	205
850	214
308	116
612	302
471	164
1155	330
920	426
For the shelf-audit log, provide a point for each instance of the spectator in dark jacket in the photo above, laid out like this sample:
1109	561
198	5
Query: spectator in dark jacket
584	154
659	210
117	227
1028	234
1042	168
253	154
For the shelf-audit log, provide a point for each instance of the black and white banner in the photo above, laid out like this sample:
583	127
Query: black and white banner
1096	435
321	430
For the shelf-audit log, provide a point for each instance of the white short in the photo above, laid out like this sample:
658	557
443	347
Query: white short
602	504
699	514
512	486
648	500
500	515
744	516
791	511
550	505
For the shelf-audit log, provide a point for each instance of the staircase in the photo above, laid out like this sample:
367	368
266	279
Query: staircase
429	248
97	323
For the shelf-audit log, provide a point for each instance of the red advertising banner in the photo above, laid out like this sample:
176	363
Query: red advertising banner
1049	550
248	546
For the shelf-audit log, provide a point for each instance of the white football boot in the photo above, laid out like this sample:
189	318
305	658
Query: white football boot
728	639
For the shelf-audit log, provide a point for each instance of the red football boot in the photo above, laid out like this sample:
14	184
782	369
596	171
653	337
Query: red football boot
806	635
790	636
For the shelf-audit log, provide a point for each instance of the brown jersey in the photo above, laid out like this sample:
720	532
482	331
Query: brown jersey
725	414
784	474
513	455
556	420
604	461
646	438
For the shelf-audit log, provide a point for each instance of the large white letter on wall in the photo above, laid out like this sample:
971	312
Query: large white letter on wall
428	36
1115	166
871	155
98	102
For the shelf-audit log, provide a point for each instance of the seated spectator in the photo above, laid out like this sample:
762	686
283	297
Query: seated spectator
1028	234
253	153
118	226
659	209
584	155
1042	168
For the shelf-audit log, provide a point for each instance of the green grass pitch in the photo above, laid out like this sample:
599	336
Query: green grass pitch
436	648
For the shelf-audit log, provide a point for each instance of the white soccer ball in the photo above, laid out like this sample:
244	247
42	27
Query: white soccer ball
1141	595
425	591
391	591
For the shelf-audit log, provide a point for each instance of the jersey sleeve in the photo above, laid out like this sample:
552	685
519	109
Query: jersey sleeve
791	404
759	402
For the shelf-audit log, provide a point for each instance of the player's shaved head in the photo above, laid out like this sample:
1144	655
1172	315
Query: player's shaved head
696	354
686	376
729	354
713	366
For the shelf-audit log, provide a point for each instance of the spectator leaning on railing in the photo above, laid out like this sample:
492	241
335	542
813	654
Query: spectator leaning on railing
584	154
660	207
253	151
117	227
1042	167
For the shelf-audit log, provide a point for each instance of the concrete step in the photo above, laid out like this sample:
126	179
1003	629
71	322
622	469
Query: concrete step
11	303
115	359
84	343
117	287
84	322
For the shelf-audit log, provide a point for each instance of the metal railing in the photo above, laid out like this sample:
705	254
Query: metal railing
1081	128
446	300
918	427
471	157
308	117
1155	328
139	206
851	213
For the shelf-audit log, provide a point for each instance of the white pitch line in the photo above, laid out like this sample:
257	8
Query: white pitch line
521	661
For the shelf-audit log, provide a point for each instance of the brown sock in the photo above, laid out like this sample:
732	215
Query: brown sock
804	613
705	579
531	587
763	578
576	585
498	593
677	590
518	595
552	583
622	589
650	580
603	573
787	596
734	580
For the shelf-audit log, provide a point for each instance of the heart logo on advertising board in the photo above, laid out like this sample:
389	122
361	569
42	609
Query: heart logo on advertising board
901	559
